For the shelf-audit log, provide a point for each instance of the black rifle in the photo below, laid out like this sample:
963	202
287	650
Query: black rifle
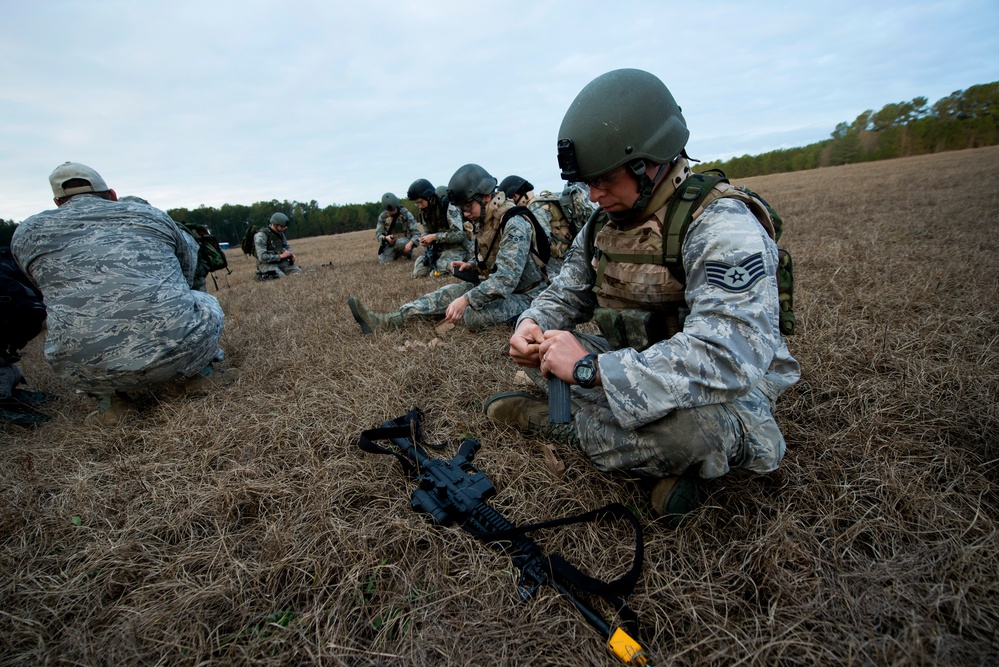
456	492
431	255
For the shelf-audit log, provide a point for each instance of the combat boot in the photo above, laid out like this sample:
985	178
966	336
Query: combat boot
674	497
528	414
112	410
372	322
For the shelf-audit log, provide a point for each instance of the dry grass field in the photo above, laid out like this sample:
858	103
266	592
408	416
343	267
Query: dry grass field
247	528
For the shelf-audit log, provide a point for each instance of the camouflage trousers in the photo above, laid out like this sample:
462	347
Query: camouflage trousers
122	367
443	264
279	270
501	311
393	251
709	440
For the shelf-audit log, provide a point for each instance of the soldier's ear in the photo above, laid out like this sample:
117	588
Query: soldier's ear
112	195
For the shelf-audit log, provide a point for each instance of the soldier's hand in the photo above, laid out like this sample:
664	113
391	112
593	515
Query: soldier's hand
524	344
390	238
456	310
462	266
560	351
428	239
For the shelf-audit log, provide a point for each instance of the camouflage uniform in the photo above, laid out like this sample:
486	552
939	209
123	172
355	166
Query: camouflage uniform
117	283
511	276
268	245
403	226
579	210
452	244
701	399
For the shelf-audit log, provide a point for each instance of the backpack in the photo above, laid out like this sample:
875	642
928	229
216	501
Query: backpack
246	244
210	253
22	311
566	220
689	197
541	248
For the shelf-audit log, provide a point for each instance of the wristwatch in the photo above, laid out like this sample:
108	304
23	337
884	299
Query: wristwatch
585	371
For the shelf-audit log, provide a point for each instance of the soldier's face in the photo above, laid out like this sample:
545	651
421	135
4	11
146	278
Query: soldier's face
616	191
422	203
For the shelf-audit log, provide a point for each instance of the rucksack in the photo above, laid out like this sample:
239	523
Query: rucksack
246	244
22	311
689	197
566	221
210	253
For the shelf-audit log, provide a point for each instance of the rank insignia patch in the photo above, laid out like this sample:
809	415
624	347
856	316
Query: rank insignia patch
736	278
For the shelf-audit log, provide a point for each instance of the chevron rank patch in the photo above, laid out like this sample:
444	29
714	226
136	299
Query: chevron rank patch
736	278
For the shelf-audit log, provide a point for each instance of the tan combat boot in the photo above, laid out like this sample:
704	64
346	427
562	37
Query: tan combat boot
203	383
372	322
111	411
528	414
675	497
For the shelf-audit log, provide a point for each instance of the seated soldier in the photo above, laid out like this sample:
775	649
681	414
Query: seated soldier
396	230
444	240
506	273
274	256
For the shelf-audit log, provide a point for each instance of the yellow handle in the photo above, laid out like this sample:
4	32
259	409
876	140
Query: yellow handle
627	649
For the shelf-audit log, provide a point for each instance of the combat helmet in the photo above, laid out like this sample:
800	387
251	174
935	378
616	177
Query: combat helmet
390	201
421	189
468	182
279	219
515	185
623	117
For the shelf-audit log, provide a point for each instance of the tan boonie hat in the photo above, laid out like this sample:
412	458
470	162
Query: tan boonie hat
68	171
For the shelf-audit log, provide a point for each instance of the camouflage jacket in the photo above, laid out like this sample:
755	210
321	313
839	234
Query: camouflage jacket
269	245
511	268
730	342
403	224
446	224
117	283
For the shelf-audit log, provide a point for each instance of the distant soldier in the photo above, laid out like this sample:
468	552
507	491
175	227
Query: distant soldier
116	277
561	215
396	232
444	240
506	275
274	256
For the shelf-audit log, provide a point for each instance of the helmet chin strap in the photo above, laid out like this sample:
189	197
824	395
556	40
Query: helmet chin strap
646	186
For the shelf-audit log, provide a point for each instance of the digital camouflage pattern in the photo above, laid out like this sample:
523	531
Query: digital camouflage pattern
452	243
701	399
268	246
117	283
510	281
558	214
403	226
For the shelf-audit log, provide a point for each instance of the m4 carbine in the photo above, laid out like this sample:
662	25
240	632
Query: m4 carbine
456	492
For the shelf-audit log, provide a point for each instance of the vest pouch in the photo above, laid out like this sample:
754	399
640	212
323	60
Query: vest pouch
636	328
785	291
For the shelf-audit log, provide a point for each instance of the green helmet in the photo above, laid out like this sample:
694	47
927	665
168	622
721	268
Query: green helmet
470	180
389	201
515	185
421	189
279	219
621	117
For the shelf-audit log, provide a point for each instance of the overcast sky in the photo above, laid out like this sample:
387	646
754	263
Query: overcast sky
212	102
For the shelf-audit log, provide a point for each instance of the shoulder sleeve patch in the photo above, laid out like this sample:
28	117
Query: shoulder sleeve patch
736	278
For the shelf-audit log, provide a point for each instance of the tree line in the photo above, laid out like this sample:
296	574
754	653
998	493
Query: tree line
964	119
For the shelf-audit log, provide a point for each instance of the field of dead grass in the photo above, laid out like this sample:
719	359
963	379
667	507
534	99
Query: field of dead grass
247	528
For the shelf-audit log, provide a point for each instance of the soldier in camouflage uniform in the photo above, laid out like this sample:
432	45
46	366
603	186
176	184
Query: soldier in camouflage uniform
117	278
444	241
274	256
396	232
561	215
697	401
506	274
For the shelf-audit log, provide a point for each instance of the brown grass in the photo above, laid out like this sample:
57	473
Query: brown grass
247	528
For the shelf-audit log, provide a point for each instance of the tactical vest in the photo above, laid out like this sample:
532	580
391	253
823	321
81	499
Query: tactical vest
499	210
564	225
640	280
